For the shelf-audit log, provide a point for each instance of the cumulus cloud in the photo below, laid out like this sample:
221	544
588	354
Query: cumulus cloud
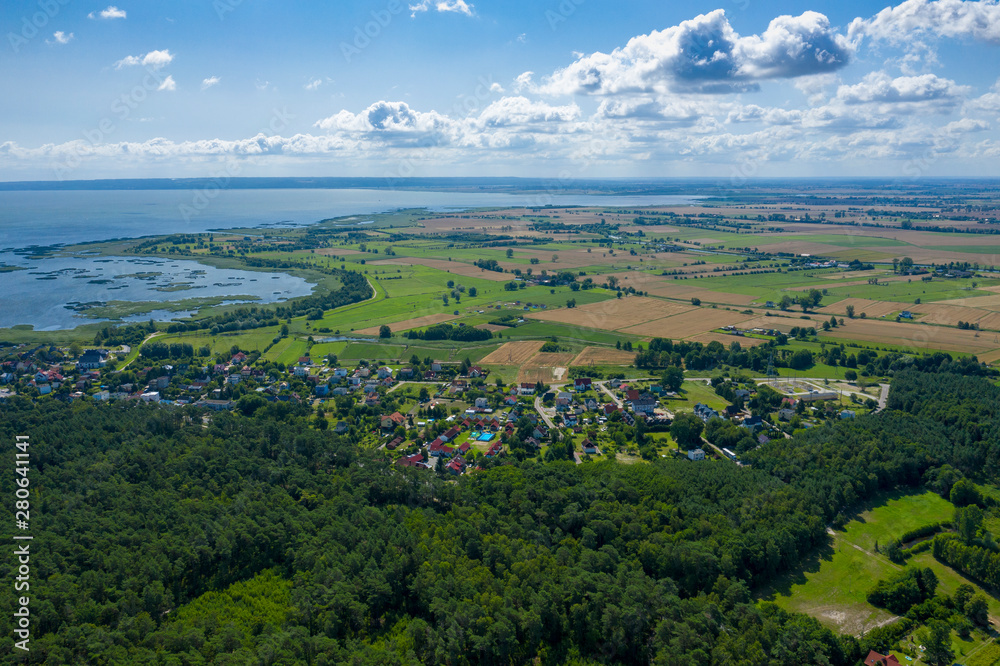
60	37
509	123
392	123
153	60
209	82
522	111
314	84
261	144
966	126
675	112
880	88
705	54
455	6
976	19
168	84
111	12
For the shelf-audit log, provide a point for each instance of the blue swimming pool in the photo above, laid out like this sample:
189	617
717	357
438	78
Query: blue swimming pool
485	437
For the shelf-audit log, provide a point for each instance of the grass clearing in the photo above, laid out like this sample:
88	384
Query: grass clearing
834	580
692	393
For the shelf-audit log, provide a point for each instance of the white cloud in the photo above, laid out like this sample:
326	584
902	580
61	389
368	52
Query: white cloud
60	37
168	84
926	89
496	88
393	123
966	125
456	6
154	60
978	19
815	87
673	111
111	12
314	84
209	82
509	123
705	54
159	148
510	111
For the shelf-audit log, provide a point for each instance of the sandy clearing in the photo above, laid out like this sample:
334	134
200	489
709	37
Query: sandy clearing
869	307
407	324
614	314
947	315
915	336
705	295
700	320
603	356
985	302
513	353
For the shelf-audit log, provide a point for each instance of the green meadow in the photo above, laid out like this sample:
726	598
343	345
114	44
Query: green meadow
833	582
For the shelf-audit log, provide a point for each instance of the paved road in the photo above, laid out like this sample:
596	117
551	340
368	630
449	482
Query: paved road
883	398
148	338
541	412
611	395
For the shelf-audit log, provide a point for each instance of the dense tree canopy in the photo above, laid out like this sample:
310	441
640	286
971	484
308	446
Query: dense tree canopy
163	537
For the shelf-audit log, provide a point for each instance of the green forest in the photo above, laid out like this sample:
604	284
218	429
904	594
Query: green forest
173	536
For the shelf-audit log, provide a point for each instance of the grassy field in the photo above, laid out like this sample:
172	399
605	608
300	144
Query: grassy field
692	393
288	351
410	257
834	580
908	292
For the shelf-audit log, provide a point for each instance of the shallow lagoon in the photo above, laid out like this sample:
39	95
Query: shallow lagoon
50	294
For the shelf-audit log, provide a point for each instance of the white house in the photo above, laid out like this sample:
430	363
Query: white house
696	454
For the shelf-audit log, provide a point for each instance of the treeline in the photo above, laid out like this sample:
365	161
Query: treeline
170	542
129	334
976	562
664	353
904	590
354	289
161	350
450	332
260	539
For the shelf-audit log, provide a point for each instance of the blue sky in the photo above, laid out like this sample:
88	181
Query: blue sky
568	88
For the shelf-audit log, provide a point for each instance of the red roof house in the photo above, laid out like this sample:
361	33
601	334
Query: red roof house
876	659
